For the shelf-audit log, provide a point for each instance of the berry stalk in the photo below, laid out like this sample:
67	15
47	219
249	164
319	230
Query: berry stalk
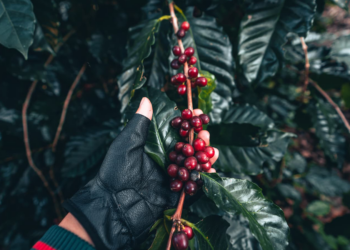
188	81
177	215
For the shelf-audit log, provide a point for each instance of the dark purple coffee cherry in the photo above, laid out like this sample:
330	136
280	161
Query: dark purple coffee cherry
191	187
176	122
175	64
205	118
172	156
183	174
172	170
181	33
180	241
176	185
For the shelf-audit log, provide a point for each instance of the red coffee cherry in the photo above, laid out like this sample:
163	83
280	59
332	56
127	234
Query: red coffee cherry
193	72
196	122
199	129
202	157
175	64
178	146
185	125
191	163
186	114
181	90
192	60
199	144
183	133
201	81
209	151
172	156
180	77
181	33
189	51
172	170
191	187
185	26
189	232
174	81
176	185
188	150
180	160
180	241
183	174
206	166
176	50
176	122
205	118
182	59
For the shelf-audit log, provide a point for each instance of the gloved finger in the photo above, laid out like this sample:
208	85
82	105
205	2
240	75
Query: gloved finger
145	108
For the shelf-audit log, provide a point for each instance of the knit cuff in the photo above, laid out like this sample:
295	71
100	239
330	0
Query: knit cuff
57	238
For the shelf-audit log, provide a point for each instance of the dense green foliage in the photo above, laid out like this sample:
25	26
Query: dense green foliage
283	171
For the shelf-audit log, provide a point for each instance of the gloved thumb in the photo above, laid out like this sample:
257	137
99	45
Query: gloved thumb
145	108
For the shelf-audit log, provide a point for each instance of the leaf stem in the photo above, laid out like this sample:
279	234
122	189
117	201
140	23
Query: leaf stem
177	215
65	106
334	105
322	92
307	65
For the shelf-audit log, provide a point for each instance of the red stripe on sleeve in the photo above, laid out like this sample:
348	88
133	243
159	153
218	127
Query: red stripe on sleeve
42	246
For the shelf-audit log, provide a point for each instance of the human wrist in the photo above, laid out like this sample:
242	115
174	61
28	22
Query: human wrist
70	223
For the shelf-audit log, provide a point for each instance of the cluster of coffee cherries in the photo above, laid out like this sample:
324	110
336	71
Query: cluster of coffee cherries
180	78
187	160
187	121
180	239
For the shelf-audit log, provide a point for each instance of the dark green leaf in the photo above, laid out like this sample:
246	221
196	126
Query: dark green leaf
17	24
325	182
211	233
83	152
327	124
340	50
161	136
138	50
288	191
263	32
266	220
239	235
161	239
204	94
205	207
40	43
246	139
296	163
319	208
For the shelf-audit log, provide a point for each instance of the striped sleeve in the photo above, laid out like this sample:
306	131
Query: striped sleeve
57	238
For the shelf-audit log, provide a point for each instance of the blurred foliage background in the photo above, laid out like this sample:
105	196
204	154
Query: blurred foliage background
258	107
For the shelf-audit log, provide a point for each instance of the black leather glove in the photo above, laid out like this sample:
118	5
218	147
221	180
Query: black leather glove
130	192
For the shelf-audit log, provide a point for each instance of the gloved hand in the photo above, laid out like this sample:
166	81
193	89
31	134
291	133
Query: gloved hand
130	192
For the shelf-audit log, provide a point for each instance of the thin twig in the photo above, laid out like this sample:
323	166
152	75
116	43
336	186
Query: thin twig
335	106
177	215
307	64
26	134
65	106
325	95
28	151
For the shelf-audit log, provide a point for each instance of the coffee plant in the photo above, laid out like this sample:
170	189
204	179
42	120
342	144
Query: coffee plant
272	81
